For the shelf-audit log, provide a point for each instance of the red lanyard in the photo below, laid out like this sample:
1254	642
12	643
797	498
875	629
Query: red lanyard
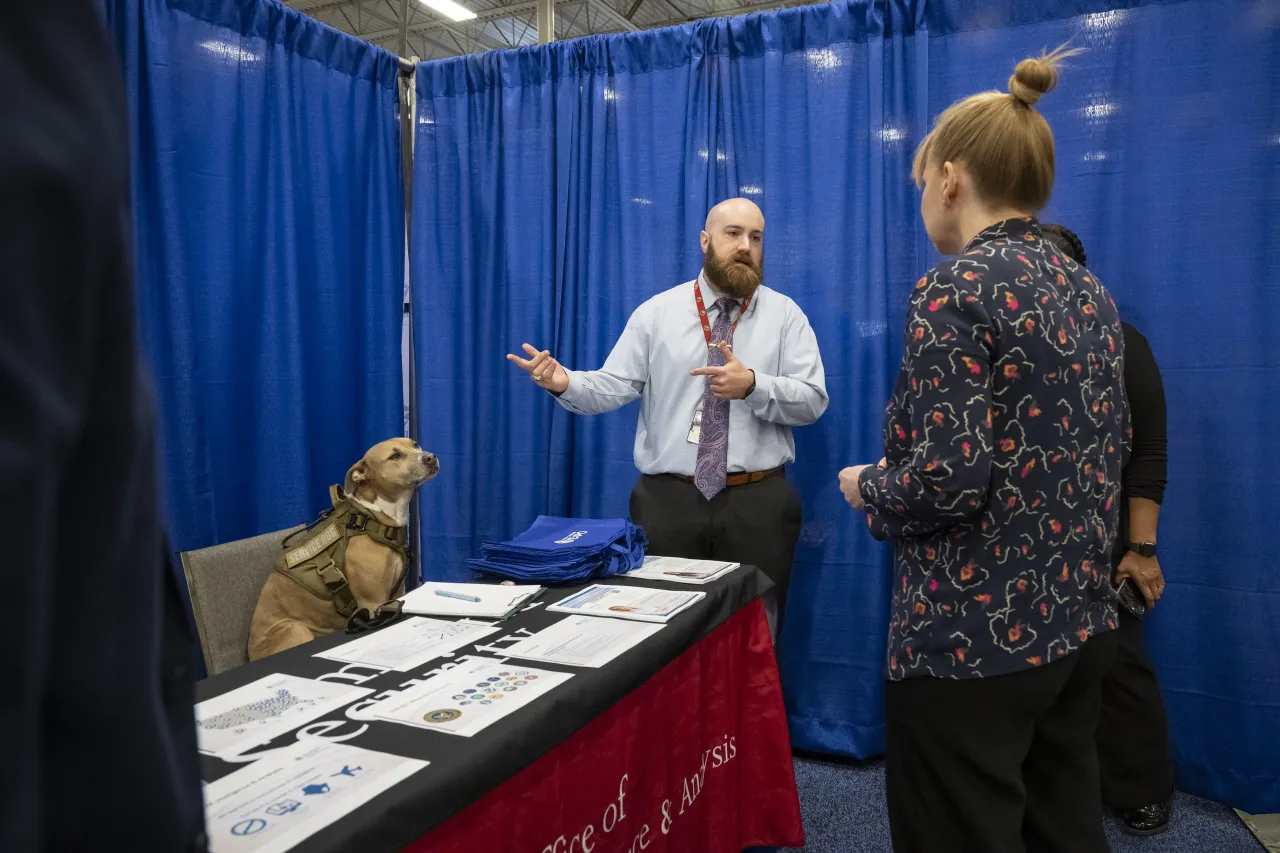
702	312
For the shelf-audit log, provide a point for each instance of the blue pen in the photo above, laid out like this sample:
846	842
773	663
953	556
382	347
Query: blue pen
446	594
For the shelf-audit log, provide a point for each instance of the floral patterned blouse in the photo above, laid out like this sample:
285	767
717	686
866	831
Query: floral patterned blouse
1004	441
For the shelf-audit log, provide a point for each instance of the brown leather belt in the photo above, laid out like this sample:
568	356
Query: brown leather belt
740	478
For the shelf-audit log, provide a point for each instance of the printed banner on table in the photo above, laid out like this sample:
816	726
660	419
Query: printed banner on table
696	759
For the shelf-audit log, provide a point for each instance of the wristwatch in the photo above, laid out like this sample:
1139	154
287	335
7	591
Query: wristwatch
1143	549
753	386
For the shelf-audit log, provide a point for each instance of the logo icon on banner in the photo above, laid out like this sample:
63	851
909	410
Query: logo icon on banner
572	537
444	715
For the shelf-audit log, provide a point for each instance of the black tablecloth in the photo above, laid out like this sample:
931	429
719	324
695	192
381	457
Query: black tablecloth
463	769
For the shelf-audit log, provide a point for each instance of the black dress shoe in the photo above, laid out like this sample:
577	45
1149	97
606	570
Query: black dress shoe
1148	820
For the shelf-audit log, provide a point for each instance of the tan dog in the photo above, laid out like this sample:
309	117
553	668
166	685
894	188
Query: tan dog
369	515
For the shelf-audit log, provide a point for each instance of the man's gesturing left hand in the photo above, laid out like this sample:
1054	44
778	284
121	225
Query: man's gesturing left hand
730	382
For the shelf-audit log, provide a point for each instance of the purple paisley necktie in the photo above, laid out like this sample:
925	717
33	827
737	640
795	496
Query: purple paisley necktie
713	441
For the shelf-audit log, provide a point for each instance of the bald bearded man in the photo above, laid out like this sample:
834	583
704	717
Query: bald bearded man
723	367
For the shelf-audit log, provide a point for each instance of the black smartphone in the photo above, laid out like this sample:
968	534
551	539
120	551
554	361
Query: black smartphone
1131	599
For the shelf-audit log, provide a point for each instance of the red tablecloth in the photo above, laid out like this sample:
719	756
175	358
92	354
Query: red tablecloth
696	759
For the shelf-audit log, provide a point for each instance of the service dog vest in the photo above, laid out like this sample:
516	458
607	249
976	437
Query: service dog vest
318	565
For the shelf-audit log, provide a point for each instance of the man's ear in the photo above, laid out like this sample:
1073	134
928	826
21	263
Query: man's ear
356	477
704	240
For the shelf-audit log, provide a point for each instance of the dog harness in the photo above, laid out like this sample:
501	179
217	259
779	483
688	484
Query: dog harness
318	565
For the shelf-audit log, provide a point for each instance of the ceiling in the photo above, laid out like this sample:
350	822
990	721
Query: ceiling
505	25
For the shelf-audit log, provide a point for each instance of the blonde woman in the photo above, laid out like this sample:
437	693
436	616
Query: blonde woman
1004	443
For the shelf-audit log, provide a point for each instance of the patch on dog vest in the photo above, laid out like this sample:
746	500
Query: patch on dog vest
301	554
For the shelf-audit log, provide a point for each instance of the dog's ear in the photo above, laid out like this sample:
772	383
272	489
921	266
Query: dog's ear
358	475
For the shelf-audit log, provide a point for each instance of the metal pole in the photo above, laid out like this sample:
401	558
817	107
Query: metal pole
546	21
404	28
408	128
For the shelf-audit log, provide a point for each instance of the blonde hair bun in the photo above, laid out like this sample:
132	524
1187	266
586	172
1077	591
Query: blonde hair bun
1036	77
1005	145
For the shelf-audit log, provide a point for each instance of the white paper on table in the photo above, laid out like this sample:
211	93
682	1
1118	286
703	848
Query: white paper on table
680	570
466	699
582	641
643	604
276	802
265	709
409	643
496	601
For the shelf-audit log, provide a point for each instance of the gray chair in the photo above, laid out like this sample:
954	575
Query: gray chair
224	582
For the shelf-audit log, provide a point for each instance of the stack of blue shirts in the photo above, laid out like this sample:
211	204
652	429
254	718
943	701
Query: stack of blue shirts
565	550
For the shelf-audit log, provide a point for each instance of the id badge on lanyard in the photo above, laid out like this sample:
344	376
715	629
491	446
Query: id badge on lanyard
695	428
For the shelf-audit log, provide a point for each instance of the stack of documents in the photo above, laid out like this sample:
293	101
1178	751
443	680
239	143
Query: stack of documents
476	600
409	643
679	570
582	641
261	711
466	699
628	602
565	550
290	794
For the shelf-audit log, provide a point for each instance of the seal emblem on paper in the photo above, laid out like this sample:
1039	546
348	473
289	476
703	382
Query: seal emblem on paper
444	715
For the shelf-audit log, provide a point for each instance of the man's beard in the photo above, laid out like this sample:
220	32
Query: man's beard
736	276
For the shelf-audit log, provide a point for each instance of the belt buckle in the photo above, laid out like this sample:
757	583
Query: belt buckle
357	521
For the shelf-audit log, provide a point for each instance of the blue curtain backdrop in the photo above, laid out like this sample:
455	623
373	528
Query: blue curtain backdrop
269	213
558	187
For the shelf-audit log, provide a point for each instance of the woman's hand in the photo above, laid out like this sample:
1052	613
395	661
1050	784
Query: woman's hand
849	485
1146	575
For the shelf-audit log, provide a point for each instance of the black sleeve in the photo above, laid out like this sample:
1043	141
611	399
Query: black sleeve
86	705
47	330
1147	471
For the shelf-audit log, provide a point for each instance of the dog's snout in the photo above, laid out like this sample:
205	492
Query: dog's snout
428	466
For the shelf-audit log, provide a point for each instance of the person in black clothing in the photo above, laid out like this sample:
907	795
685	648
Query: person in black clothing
96	708
1133	734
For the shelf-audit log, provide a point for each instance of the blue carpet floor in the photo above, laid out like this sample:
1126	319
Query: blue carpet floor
844	812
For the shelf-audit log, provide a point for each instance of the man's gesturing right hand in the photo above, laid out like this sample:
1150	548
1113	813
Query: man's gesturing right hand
544	370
